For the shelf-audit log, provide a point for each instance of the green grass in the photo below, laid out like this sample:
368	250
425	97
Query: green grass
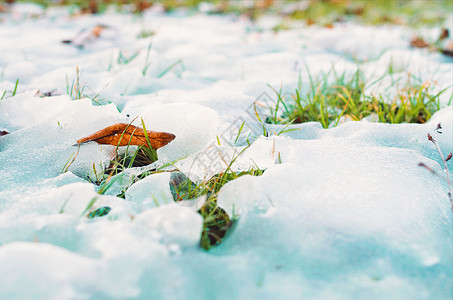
77	90
216	221
132	156
100	6
411	13
100	212
13	92
138	157
172	67
145	33
147	63
321	12
74	89
327	101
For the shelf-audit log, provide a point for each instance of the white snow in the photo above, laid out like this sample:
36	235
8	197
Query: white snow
339	213
152	191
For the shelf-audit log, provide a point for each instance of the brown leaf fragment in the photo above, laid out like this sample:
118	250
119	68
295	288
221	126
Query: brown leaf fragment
50	93
418	42
93	8
438	128
444	34
448	49
125	134
3	132
141	5
86	36
97	30
356	10
449	157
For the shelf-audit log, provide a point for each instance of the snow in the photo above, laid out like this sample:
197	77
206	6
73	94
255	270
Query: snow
339	213
47	261
152	191
194	126
204	164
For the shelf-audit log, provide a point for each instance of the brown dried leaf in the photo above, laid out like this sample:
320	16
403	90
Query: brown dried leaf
3	132
419	43
444	34
125	134
447	52
357	10
50	93
93	7
89	8
86	36
448	49
141	5
97	30
449	157
264	4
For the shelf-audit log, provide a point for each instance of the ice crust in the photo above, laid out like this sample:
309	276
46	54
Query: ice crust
340	213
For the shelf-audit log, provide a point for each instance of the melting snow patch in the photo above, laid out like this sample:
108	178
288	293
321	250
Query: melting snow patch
339	213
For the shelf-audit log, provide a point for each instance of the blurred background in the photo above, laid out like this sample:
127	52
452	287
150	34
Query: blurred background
414	13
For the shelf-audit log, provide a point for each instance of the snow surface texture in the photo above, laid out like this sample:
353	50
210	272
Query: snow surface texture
348	214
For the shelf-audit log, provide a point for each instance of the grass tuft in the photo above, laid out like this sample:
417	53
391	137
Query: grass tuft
74	90
13	92
216	221
414	14
329	102
100	212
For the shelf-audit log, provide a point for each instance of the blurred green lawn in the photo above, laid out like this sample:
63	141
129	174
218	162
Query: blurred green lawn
414	13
